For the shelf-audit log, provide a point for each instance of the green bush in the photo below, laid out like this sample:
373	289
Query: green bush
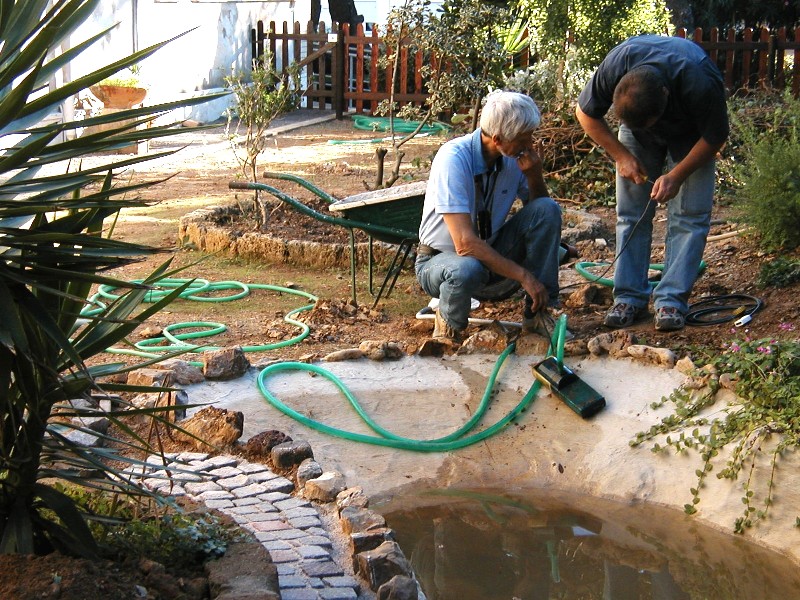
135	528
780	272
769	199
55	248
760	167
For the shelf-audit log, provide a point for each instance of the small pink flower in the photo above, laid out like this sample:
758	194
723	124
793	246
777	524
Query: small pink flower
735	347
786	326
765	349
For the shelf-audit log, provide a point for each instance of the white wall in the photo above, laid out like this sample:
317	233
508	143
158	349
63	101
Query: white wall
200	60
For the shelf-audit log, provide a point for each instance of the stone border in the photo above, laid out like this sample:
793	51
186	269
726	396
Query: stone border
199	230
297	558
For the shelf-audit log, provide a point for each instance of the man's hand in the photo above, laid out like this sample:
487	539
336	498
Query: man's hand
665	188
630	168
530	159
536	291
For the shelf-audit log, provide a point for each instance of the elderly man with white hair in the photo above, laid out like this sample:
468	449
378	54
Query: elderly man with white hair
471	246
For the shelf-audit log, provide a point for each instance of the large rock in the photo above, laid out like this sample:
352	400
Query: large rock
225	363
217	427
151	377
380	565
184	373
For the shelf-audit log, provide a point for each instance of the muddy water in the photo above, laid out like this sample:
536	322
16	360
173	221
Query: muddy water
488	545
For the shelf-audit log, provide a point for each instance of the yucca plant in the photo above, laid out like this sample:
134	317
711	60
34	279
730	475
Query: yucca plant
54	250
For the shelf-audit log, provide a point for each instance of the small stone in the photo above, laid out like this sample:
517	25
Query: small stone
308	469
362	541
289	454
614	343
354	519
651	354
353	496
262	443
325	488
399	587
342	355
685	365
380	565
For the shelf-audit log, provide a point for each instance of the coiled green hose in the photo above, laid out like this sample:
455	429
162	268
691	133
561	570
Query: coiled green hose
368	123
171	342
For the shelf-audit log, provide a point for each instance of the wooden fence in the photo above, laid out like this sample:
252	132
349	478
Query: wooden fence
341	69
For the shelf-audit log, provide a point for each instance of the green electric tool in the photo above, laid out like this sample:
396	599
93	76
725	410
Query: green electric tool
565	384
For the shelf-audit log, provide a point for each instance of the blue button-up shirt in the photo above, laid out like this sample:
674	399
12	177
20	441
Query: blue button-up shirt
452	188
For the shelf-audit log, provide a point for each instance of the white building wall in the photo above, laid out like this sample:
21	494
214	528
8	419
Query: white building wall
217	45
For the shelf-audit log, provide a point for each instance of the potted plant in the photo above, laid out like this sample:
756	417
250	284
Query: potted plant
123	90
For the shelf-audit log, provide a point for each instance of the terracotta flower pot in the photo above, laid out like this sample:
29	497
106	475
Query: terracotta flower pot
116	96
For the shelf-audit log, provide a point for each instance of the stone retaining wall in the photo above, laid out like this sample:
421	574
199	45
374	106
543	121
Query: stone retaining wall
200	229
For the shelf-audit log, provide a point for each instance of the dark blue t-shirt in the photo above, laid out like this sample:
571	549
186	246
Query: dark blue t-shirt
696	105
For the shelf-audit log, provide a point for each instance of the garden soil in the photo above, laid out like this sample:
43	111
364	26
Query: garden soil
342	161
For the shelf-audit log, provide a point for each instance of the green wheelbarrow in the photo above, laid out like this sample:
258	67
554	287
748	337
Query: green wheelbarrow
392	216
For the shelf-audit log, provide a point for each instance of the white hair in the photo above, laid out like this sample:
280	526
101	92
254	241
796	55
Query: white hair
509	114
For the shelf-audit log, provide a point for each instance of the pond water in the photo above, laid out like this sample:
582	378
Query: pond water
468	544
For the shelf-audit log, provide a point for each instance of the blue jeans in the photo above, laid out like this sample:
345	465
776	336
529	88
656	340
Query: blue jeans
688	222
530	238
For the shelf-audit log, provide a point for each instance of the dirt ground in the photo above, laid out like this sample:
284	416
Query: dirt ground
322	155
199	176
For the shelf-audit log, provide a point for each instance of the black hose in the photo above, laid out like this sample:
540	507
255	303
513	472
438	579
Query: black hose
721	309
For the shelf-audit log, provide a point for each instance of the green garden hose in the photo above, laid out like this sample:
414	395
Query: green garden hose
583	267
400	126
453	441
172	342
368	123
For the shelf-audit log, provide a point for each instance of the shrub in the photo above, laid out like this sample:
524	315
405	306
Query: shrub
769	199
261	95
780	272
135	528
54	250
761	166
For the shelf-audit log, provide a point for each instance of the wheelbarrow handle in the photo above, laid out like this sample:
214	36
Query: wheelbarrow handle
302	182
240	185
